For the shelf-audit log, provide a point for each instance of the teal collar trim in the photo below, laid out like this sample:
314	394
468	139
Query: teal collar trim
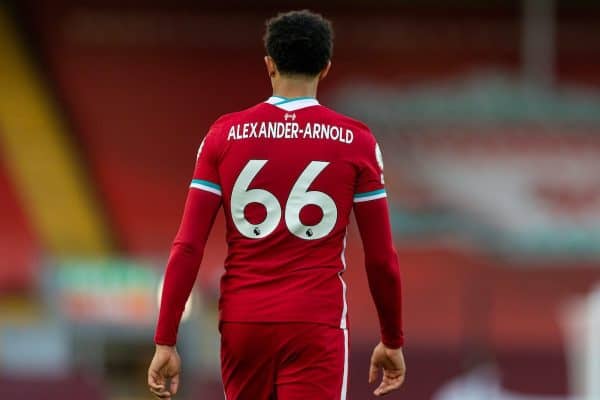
291	104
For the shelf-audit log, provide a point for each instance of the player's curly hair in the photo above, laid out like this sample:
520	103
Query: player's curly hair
300	42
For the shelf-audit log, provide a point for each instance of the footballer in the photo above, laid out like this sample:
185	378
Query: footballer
287	172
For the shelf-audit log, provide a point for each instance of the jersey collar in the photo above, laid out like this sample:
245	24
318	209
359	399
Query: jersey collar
292	104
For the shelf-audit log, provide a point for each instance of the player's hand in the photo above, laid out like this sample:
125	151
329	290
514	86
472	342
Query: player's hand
394	369
164	369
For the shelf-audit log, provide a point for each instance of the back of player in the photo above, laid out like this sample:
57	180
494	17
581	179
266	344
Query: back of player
288	172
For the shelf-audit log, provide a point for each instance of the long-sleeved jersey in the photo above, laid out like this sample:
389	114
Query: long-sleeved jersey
288	173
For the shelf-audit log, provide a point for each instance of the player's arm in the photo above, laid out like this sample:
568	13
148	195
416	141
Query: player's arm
200	210
184	261
383	271
201	207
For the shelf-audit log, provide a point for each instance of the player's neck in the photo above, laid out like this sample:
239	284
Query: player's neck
295	87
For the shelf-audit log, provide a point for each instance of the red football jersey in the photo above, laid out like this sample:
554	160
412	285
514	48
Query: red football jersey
288	171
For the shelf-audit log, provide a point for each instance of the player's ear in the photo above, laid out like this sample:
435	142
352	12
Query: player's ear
325	71
271	67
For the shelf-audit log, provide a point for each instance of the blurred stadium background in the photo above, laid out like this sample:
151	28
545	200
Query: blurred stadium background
489	117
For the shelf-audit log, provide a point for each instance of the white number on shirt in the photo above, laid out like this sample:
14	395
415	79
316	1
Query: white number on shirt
299	197
241	196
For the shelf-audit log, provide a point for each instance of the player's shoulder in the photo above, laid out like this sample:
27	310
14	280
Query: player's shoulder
360	128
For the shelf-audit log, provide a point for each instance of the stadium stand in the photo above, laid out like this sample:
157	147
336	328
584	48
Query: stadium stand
36	150
139	102
18	243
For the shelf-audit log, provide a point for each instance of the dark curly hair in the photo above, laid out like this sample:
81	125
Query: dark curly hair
300	42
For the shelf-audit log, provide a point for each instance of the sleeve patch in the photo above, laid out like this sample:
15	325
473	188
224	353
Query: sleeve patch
206	186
